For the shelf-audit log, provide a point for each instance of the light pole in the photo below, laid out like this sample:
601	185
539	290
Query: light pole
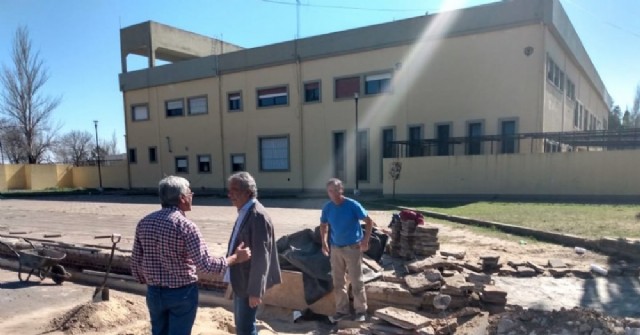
356	191
95	124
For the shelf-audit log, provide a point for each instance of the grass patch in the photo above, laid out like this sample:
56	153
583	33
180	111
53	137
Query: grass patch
587	220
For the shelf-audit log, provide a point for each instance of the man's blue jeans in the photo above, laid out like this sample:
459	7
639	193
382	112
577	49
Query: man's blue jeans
245	316
172	310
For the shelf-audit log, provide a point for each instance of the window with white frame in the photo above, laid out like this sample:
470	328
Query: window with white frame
275	96
274	153
140	112
175	108
377	83
182	164
204	163
237	163
235	101
198	105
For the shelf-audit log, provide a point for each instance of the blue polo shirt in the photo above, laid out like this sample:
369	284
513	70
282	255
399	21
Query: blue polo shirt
344	220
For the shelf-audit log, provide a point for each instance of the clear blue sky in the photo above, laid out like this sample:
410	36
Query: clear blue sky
79	39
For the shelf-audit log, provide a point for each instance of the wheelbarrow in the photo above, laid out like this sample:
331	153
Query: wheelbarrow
41	261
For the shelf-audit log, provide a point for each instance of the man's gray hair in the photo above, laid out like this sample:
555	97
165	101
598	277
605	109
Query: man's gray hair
246	182
170	188
335	181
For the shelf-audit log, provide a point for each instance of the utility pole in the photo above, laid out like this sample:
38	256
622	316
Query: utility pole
356	191
95	124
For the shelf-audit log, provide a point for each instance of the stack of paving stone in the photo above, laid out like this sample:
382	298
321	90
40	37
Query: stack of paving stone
409	240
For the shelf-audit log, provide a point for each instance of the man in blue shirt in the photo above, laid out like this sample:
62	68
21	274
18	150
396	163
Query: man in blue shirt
345	246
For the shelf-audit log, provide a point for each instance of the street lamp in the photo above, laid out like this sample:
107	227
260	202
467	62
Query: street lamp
356	191
95	124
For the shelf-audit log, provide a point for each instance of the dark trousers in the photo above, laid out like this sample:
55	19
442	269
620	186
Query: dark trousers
245	316
172	310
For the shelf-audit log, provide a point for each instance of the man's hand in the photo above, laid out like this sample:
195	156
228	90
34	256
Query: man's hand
254	301
242	254
325	249
364	244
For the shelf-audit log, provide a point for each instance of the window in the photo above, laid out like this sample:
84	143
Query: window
571	89
362	155
312	91
235	101
274	153
554	74
182	164
198	105
153	158
580	111
204	163
576	114
377	83
140	112
175	108
415	137
443	132
339	160
237	163
276	96
585	125
133	157
388	136
346	87
474	131
508	140
388	149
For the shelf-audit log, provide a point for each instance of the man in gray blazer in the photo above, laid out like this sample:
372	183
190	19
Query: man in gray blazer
253	227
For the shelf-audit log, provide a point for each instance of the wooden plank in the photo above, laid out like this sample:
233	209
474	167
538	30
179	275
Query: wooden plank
290	294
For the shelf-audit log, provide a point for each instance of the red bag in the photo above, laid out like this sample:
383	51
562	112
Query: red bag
407	215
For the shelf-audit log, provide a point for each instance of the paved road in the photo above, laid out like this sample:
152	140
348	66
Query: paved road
80	218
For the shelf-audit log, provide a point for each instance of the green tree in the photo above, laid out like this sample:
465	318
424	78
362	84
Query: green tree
614	118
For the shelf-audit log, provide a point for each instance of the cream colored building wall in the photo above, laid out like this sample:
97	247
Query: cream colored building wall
484	77
559	111
568	173
64	176
243	129
454	81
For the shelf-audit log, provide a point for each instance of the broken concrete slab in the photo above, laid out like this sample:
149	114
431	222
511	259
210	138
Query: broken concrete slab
555	263
402	318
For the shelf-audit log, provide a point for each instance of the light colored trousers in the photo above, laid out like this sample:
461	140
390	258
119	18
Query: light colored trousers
347	261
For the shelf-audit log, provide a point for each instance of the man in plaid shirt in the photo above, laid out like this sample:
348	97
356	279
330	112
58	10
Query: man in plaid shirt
167	250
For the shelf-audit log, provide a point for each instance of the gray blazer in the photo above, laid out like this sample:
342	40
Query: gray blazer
254	277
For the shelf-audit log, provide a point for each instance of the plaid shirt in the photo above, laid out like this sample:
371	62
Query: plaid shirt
168	248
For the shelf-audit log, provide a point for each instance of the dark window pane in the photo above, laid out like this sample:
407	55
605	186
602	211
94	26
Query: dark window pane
508	139
475	145
133	157
152	155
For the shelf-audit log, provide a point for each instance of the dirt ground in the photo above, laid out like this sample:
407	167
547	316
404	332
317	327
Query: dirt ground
46	308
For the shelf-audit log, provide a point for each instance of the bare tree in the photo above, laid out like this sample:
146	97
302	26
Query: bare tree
12	145
74	147
109	147
22	101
